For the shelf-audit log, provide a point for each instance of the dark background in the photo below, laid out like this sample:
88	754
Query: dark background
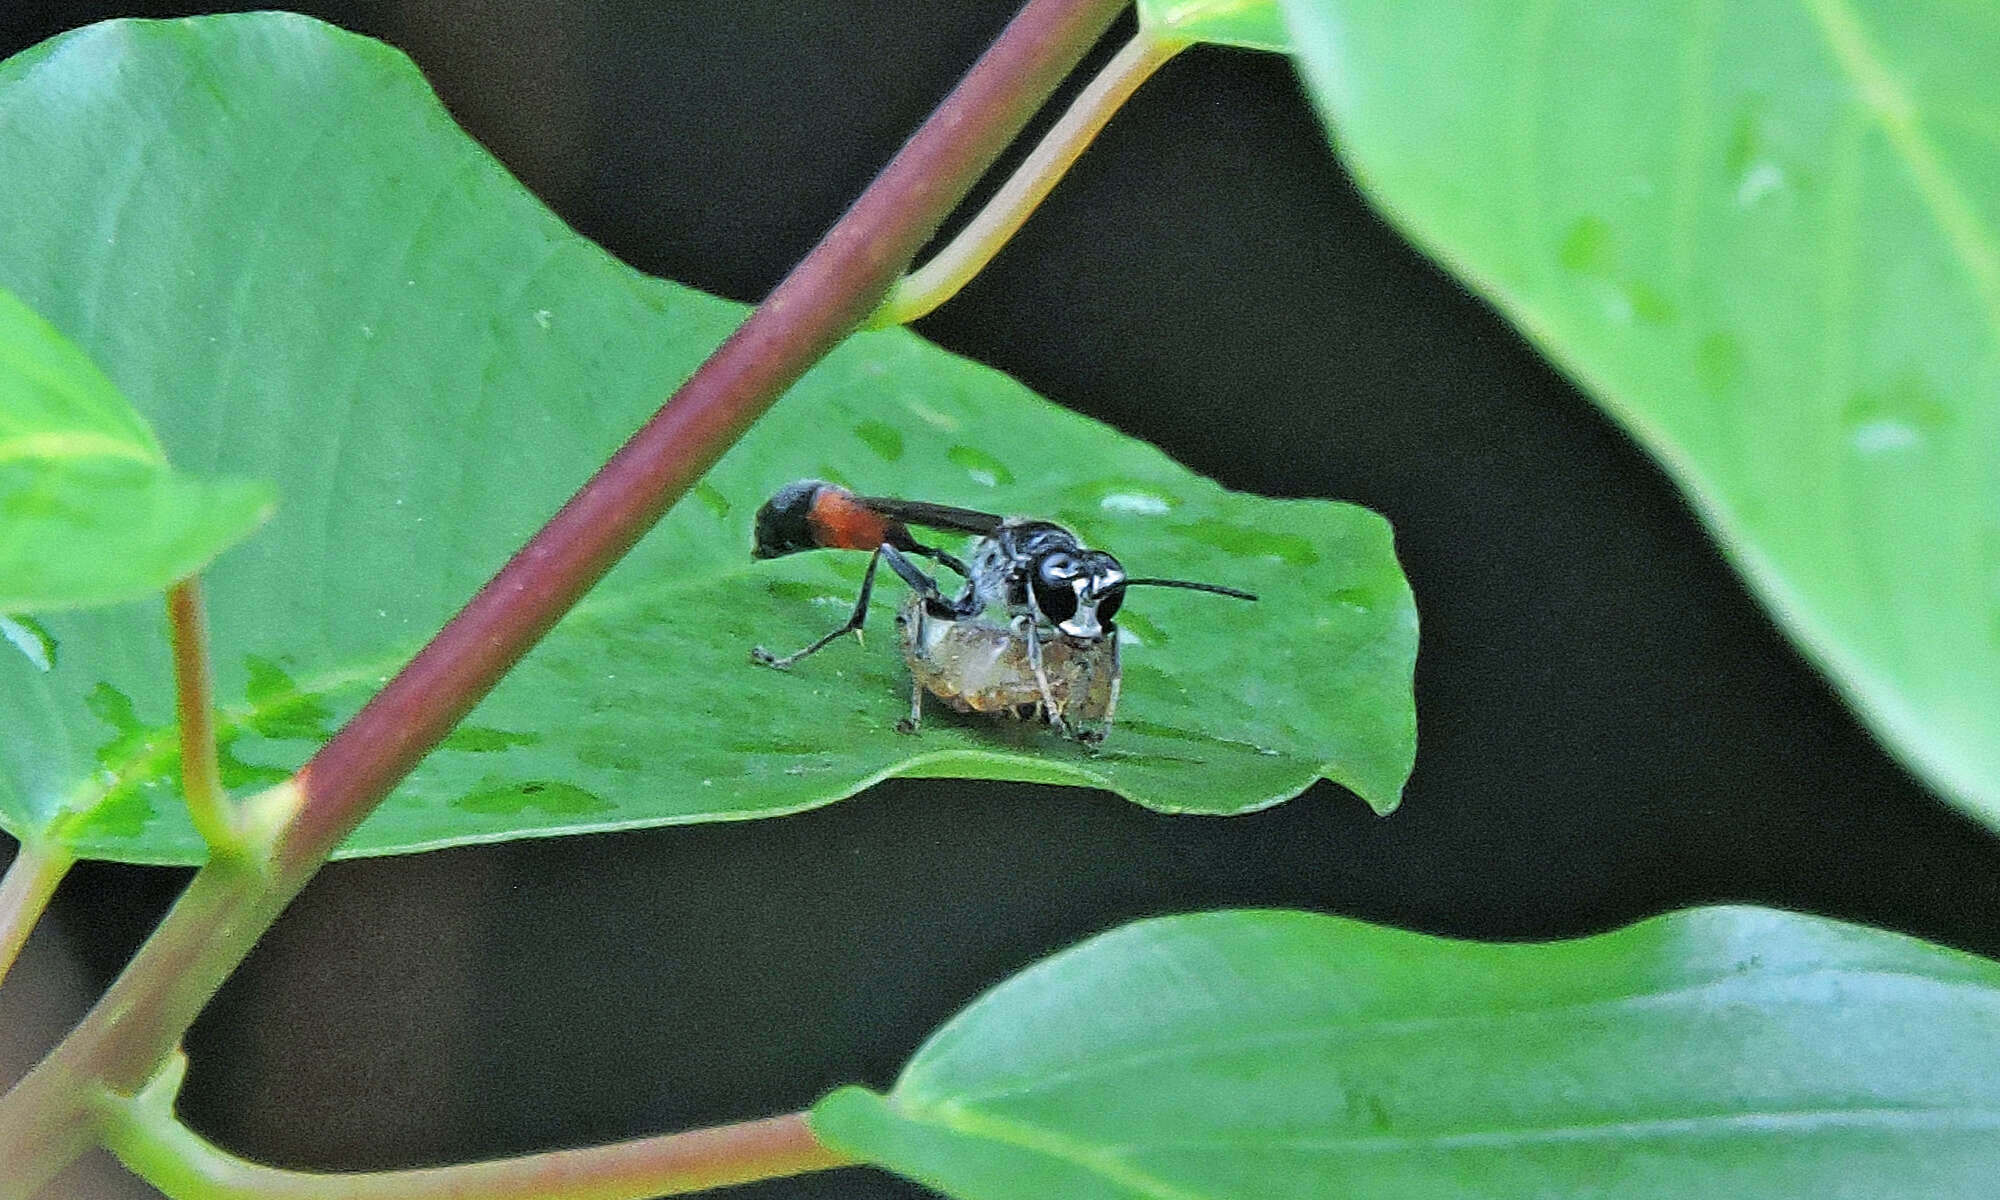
1609	726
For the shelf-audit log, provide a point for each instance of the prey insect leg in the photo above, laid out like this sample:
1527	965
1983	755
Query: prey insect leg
915	720
1049	707
853	624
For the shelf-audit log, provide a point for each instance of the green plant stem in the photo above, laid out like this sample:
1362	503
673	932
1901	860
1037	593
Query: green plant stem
24	893
51	1116
194	709
146	1136
951	268
48	1118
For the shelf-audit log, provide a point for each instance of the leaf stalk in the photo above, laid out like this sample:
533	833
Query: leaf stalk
25	890
950	269
194	710
151	1141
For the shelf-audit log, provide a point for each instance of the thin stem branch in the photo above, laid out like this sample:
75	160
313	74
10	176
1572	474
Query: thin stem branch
180	1163
951	268
194	708
47	1119
24	894
146	1136
51	1116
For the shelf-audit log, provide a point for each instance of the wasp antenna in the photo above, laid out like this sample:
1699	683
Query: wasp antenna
1192	586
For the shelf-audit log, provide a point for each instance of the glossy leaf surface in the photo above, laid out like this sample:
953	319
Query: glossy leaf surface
90	512
1766	237
1247	24
319	278
1290	1056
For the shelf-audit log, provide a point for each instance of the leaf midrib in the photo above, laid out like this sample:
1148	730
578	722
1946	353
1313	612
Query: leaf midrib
1112	1162
72	445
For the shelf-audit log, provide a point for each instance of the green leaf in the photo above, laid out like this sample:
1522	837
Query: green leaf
89	511
1249	24
318	276
1266	1055
1763	236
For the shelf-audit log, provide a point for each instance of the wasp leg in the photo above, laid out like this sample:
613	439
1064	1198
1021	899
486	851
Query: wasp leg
944	558
853	625
1032	624
926	586
913	575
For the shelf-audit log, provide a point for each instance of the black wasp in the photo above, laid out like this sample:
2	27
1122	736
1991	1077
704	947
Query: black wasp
1028	637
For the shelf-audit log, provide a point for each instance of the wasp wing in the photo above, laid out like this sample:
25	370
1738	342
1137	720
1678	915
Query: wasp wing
933	516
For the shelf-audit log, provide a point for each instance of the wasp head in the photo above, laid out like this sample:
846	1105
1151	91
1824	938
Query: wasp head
1077	589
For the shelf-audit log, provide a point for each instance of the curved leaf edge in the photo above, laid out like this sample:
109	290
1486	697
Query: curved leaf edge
129	457
1369	782
1903	731
1383	796
935	1140
1000	766
1238	24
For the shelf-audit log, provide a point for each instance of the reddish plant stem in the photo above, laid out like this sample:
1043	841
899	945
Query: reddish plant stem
45	1121
823	300
194	710
182	1164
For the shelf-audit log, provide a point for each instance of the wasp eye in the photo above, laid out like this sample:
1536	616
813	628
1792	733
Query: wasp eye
1054	582
1107	607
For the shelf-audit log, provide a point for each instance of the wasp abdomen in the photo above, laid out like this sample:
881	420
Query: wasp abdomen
813	514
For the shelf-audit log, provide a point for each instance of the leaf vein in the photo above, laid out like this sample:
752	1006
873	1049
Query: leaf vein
1107	1162
70	445
1885	99
1779	1122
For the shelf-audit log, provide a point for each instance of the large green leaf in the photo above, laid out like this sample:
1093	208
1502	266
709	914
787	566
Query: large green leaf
313	275
1267	1055
90	513
1763	236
